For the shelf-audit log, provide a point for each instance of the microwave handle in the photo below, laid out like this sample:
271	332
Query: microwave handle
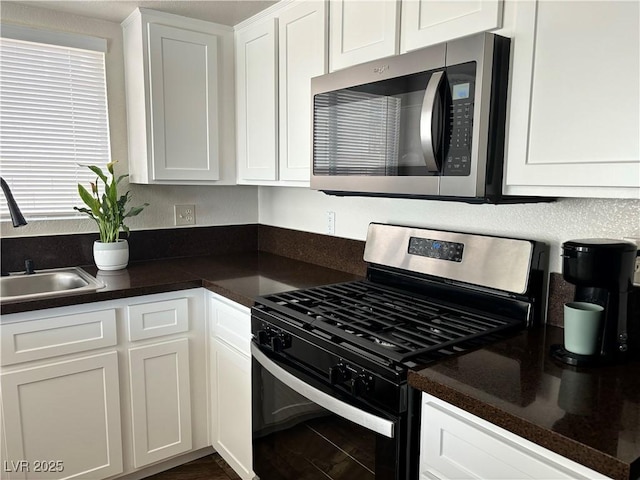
428	122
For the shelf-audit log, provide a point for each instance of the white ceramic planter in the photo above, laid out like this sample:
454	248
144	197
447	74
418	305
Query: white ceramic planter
111	256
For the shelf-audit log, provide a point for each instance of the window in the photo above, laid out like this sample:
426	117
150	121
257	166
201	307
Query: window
53	117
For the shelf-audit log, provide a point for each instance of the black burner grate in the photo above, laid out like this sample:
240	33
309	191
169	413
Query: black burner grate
380	319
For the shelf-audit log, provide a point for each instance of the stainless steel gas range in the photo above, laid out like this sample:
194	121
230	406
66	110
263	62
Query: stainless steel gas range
329	368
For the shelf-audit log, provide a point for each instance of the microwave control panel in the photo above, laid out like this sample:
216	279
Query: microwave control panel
462	87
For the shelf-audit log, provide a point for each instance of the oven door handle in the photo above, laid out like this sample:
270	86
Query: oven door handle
344	410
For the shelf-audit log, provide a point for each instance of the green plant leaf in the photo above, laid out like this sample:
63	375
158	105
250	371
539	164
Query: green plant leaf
135	210
98	171
88	199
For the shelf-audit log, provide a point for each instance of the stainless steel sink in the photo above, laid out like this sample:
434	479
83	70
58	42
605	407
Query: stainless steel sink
47	283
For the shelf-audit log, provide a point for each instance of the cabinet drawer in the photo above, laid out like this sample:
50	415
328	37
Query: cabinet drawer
52	336
155	319
231	324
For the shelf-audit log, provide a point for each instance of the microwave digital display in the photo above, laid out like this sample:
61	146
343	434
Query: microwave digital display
461	91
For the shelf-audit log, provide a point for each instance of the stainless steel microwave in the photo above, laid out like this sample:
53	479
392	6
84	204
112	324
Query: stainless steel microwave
425	124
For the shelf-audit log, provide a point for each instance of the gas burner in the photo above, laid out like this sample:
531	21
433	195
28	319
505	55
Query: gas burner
385	344
395	325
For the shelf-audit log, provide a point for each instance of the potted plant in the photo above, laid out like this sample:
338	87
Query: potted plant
108	210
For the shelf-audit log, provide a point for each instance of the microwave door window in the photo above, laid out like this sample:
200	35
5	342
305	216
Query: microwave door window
371	130
356	133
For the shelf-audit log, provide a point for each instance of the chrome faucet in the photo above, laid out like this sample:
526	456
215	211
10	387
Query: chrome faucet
16	215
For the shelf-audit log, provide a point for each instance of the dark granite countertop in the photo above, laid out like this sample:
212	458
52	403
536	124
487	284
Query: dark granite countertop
591	416
238	276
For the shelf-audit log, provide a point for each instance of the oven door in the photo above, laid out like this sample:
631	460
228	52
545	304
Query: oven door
302	429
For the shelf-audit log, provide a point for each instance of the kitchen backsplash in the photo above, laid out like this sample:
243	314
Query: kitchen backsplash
54	251
552	223
329	251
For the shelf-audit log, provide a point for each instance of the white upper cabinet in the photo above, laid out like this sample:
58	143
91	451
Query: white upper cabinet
302	32
361	31
257	99
575	102
179	86
277	54
427	22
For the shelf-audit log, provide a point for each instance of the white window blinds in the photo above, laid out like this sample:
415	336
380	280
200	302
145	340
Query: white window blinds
53	116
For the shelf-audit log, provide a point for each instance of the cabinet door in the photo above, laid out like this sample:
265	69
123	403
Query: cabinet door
160	400
184	103
362	31
257	93
231	406
302	55
575	102
67	414
427	22
455	444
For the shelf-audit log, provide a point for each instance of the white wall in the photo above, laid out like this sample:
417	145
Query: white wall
553	223
214	205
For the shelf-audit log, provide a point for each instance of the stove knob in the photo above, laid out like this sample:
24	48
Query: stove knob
339	374
263	337
280	342
361	384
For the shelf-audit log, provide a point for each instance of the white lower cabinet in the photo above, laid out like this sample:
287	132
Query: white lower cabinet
455	444
230	383
98	390
62	420
160	401
231	407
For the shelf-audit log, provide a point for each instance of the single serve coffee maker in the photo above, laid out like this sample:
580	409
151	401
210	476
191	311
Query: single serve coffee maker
602	271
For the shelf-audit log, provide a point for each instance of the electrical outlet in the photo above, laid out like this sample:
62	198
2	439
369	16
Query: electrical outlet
185	214
331	223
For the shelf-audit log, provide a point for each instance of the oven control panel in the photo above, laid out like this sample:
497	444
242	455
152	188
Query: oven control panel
442	250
